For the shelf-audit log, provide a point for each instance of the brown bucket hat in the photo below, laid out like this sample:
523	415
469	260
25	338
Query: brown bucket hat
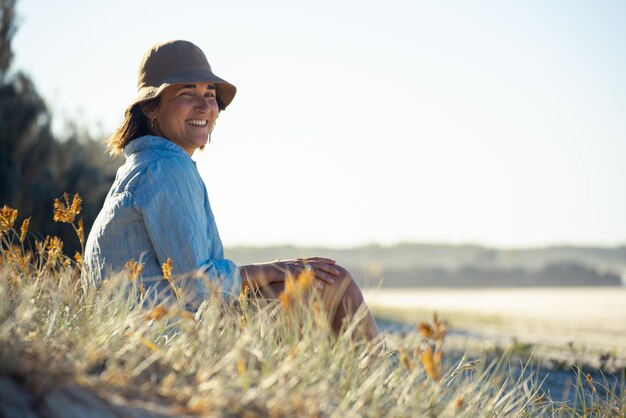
177	62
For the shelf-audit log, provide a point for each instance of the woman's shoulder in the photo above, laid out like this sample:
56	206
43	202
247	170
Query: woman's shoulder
152	162
155	153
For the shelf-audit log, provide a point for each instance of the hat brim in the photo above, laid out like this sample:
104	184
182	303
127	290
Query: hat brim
225	91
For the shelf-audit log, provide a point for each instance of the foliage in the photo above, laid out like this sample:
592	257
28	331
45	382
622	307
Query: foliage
235	358
36	166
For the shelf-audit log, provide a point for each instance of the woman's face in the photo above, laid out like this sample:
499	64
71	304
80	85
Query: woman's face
185	114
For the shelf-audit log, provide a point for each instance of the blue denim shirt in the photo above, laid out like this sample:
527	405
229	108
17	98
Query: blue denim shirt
158	208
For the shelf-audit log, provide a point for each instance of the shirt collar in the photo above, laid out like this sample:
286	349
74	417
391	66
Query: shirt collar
150	142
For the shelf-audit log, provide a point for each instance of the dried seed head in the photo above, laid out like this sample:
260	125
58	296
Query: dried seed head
24	229
243	296
66	211
433	364
590	381
296	289
134	269
305	279
55	248
426	330
7	218
288	295
166	268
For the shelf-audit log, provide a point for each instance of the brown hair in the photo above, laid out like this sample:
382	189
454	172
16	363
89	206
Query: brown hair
134	125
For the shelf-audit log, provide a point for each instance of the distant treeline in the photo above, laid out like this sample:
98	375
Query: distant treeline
35	166
440	265
553	275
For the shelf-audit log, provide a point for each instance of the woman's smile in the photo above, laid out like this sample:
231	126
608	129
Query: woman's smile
196	122
186	114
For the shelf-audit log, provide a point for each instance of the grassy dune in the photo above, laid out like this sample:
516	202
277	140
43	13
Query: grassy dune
61	337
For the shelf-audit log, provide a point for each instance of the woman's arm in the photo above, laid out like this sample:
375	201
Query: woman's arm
262	274
177	216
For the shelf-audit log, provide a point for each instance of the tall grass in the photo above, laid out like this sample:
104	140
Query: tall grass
236	358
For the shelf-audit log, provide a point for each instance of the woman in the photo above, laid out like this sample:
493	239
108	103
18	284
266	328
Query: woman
158	207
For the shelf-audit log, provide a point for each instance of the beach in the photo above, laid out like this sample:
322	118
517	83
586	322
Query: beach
590	319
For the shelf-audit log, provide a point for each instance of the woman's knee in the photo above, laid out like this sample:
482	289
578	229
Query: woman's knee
269	291
345	288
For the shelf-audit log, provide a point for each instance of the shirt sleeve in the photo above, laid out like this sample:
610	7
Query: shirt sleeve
174	204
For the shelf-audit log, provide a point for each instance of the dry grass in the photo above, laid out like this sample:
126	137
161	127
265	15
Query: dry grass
234	358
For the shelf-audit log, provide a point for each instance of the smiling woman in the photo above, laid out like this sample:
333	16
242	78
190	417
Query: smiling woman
158	207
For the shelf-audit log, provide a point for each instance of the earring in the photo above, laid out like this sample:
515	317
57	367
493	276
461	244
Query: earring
152	123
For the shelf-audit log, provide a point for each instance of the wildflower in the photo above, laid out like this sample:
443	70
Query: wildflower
426	330
590	381
305	279
55	248
295	289
66	211
166	268
134	269
7	218
78	257
432	363
24	229
286	296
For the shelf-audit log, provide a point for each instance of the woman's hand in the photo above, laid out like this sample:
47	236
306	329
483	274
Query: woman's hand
259	275
321	267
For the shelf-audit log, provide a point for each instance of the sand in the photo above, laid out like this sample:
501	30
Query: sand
588	318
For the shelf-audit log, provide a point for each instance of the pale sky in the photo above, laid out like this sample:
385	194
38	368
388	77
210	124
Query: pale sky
493	122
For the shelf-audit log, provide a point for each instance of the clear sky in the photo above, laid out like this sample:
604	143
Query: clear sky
491	122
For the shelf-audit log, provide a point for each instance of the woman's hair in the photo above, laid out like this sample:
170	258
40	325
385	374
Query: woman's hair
134	125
